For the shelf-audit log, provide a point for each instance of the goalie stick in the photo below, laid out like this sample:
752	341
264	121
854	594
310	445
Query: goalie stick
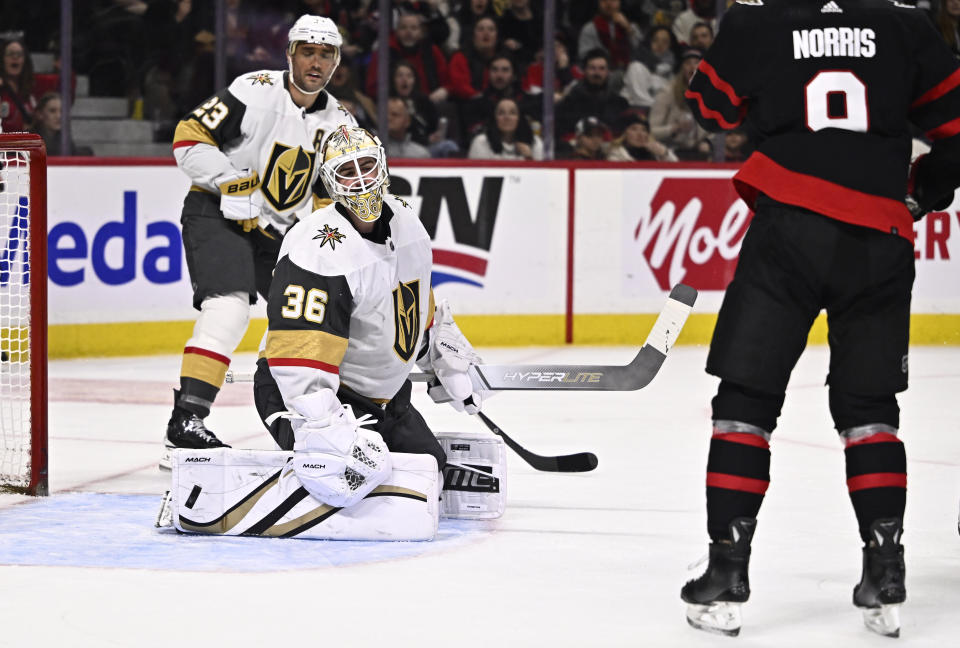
579	462
636	375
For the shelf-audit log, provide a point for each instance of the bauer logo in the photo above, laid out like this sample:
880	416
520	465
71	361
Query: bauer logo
472	227
460	447
692	232
461	479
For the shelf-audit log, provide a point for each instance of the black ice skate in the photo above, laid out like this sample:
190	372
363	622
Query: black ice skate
186	430
881	589
714	599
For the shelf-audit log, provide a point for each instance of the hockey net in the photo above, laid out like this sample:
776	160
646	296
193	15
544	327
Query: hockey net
23	314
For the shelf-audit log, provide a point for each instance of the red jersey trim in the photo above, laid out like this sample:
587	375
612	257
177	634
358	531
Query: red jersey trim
949	129
735	482
209	354
742	438
183	143
720	84
300	362
877	480
760	174
938	90
709	113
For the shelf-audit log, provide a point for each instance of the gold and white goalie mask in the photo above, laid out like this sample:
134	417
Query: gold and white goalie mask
354	171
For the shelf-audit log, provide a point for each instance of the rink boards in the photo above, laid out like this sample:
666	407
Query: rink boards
541	254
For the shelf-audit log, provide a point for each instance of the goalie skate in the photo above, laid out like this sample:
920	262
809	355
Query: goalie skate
722	617
165	515
884	620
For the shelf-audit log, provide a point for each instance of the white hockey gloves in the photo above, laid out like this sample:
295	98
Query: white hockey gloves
336	459
451	358
240	198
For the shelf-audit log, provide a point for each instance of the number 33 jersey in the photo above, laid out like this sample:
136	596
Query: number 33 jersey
254	124
349	308
828	89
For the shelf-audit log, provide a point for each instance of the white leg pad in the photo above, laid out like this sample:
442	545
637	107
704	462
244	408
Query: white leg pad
475	477
225	491
222	323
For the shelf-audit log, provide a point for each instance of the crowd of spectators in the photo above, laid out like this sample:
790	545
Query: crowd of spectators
466	76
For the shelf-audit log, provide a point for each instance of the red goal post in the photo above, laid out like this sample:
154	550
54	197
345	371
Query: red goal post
23	314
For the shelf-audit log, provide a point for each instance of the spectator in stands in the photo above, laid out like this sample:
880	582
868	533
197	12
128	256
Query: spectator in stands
671	121
652	71
48	122
701	36
699	11
435	25
424	116
736	146
635	143
463	19
566	72
399	143
590	136
502	82
343	87
17	102
408	42
610	30
521	27
508	136
592	95
468	67
948	22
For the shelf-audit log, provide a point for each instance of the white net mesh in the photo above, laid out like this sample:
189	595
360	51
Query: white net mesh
15	394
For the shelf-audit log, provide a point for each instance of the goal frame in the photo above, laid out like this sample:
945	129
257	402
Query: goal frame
32	145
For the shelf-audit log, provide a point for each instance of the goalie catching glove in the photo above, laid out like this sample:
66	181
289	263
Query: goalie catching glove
337	461
240	198
451	359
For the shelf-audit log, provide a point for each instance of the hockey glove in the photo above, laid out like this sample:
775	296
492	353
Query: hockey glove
336	460
240	198
918	201
451	358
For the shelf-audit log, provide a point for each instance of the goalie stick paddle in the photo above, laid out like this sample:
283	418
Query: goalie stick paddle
636	375
580	462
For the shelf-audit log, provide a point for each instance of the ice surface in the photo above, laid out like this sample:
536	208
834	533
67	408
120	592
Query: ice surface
578	560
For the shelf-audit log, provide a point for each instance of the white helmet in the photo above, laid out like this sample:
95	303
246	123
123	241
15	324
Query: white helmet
317	30
354	171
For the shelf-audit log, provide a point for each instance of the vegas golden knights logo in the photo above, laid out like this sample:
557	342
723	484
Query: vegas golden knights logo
406	317
287	178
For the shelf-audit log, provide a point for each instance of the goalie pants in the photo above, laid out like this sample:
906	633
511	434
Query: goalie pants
221	257
793	263
398	422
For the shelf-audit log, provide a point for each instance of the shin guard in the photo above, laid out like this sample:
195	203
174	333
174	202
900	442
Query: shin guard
876	474
738	474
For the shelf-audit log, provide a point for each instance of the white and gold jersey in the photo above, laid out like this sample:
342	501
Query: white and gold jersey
346	308
255	125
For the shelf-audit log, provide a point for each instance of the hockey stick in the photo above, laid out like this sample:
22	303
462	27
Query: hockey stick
636	375
579	462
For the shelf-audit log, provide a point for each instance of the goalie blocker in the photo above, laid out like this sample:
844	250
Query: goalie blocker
225	491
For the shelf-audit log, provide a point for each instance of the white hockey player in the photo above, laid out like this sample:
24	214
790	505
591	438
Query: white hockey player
250	152
350	312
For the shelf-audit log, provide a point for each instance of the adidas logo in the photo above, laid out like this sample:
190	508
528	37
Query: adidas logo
831	7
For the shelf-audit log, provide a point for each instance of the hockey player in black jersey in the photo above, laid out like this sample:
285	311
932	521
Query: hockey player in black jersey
828	89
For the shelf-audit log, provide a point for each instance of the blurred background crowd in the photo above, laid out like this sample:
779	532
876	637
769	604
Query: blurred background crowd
466	77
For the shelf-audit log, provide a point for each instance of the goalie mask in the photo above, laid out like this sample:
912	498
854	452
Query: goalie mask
315	30
354	171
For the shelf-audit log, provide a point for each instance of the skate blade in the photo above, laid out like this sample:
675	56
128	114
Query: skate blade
165	515
721	618
884	620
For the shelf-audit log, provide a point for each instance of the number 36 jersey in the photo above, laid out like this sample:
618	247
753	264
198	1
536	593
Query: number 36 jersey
829	89
254	124
349	308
